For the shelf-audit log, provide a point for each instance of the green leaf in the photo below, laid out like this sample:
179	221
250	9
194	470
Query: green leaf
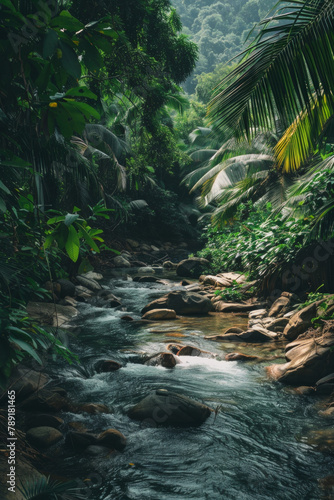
70	60
81	92
89	240
54	220
72	244
70	218
50	44
27	348
3	207
86	110
65	20
4	188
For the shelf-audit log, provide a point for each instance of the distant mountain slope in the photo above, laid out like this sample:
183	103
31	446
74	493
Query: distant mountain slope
219	27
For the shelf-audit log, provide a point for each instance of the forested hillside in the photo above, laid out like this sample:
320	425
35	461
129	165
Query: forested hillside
219	28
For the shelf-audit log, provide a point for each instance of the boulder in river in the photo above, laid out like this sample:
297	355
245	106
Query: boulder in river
237	307
163	407
300	321
308	360
256	335
283	304
160	314
111	438
105	298
43	420
238	356
43	437
165	359
121	261
189	350
182	302
192	267
89	283
50	314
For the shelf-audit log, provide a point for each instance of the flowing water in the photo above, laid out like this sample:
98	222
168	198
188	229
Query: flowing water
250	449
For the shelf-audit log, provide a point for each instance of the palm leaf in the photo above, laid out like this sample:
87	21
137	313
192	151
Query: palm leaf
289	62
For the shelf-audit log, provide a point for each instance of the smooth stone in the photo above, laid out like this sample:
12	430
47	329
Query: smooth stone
221	306
192	267
48	314
91	284
164	359
162	407
25	381
46	401
44	420
67	288
91	275
111	438
182	302
257	314
308	359
238	356
79	441
160	314
121	261
189	350
43	437
300	321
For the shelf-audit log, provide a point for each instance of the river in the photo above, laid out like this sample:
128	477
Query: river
254	447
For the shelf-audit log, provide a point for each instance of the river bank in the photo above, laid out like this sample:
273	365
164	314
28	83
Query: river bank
255	430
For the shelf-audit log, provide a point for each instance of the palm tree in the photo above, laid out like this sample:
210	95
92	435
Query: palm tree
286	77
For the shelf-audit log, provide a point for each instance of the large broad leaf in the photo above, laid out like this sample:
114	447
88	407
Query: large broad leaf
89	240
70	218
80	92
72	244
27	348
50	44
70	60
65	20
4	188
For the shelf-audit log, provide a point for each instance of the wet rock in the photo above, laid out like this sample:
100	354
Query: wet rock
305	390
68	301
25	381
238	356
43	437
121	261
164	359
169	265
78	441
189	350
255	335
224	279
82	293
92	408
275	325
322	439
328	413
192	267
91	275
105	298
50	314
107	365
44	420
300	321
127	318
111	438
221	306
46	401
160	314
146	279
283	304
257	314
182	302
91	284
162	407
308	359
133	243
77	426
233	329
325	385
59	390
174	348
67	288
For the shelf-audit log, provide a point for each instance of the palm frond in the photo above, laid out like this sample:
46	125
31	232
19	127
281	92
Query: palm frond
290	61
